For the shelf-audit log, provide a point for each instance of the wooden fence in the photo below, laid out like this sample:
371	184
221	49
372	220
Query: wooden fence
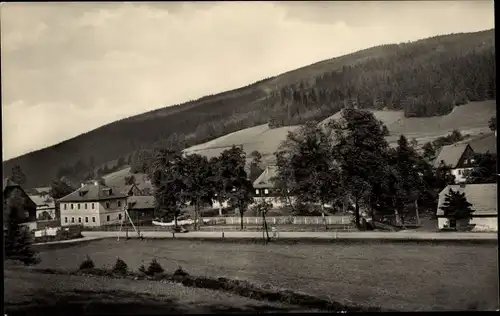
281	220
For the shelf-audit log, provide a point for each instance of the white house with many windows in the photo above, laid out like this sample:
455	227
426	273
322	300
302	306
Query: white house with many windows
92	205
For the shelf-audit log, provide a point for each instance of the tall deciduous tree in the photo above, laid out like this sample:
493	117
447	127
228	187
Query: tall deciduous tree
58	189
17	175
237	186
314	175
166	175
198	190
361	153
485	170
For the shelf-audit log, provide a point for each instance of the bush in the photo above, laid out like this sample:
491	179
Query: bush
142	269
180	272
87	264
154	267
120	267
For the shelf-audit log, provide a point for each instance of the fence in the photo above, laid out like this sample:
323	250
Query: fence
281	220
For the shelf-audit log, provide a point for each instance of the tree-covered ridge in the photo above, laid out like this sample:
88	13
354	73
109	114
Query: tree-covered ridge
423	78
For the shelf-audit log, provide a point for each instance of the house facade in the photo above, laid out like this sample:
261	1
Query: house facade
265	189
459	157
27	210
483	198
45	207
92	205
141	209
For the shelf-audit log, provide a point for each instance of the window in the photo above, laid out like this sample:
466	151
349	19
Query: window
107	218
119	203
92	205
65	219
72	219
65	205
78	205
79	219
266	191
120	217
256	191
107	204
72	206
459	171
86	219
85	206
93	219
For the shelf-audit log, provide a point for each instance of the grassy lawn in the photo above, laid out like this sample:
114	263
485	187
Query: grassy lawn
397	276
34	293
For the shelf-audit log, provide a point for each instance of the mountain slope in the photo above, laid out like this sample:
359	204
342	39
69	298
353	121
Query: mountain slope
424	78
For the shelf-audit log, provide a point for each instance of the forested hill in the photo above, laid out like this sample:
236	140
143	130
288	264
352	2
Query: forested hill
423	78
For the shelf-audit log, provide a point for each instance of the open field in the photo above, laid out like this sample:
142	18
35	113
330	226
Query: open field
409	277
42	294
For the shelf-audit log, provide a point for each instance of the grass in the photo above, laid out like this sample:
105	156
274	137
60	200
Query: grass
408	277
36	293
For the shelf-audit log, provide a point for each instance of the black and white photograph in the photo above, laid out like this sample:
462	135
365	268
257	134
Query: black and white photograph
206	157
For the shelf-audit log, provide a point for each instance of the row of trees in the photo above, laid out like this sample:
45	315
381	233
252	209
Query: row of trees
350	161
193	179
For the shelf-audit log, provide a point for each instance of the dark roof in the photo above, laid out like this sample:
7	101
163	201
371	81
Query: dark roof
40	201
141	202
450	154
483	197
92	192
484	144
265	180
9	183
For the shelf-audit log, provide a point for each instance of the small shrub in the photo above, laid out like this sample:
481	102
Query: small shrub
180	272
142	269
120	267
154	268
87	264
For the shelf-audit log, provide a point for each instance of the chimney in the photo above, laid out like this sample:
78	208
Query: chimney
82	185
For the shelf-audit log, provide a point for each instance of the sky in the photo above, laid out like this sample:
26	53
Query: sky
68	68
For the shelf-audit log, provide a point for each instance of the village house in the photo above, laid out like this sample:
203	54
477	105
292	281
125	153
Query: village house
483	198
459	157
92	205
265	188
11	190
45	207
484	144
141	209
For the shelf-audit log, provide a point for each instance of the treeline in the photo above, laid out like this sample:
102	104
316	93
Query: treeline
424	78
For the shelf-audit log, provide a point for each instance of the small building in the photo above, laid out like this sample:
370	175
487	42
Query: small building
27	213
459	157
265	188
141	209
45	207
92	205
483	198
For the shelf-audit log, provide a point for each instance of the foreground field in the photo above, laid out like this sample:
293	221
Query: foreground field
396	276
35	293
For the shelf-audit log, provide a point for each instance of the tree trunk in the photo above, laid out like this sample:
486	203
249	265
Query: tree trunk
241	217
175	219
265	226
356	212
196	215
323	215
416	212
220	207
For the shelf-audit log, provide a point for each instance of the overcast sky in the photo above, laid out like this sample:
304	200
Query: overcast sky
68	68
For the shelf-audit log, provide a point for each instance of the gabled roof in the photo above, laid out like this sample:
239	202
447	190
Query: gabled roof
265	180
141	202
483	197
450	154
9	183
45	201
484	144
42	189
92	192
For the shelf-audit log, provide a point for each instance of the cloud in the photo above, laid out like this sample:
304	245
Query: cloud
68	68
